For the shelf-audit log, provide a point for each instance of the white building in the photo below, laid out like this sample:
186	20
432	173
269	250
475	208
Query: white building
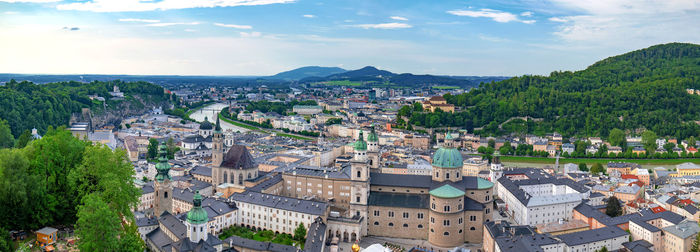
276	213
595	239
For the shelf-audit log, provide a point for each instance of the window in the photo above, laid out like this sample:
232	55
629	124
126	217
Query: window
447	208
472	228
446	223
420	225
376	213
460	220
240	179
420	215
405	215
376	223
391	214
457	174
472	218
358	199
437	174
447	175
460	231
446	233
487	197
432	231
433	206
432	220
391	224
359	174
165	195
488	210
405	225
459	207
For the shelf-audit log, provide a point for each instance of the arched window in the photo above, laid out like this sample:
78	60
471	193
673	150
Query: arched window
376	223
391	224
165	195
405	225
446	233
359	174
460	231
225	177
472	228
240	179
249	176
447	175
420	225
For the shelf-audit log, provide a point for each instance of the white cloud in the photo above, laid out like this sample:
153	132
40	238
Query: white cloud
250	34
140	5
190	30
491	38
308	16
496	15
558	19
526	14
139	20
384	26
171	24
10	13
29	1
235	26
399	18
628	24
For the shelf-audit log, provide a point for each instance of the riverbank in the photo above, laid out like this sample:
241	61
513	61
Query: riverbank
254	128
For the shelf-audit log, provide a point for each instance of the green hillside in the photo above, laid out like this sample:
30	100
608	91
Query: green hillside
640	89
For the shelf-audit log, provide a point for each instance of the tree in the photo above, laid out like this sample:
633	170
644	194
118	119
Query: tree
23	139
649	140
597	168
98	225
669	146
696	244
605	249
152	148
300	232
5	241
492	143
7	140
613	208
418	107
617	137
506	149
171	148
691	141
582	167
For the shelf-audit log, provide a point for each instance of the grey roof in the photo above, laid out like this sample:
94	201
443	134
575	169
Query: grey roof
684	229
257	245
273	180
316	171
691	209
159	238
530	243
646	225
386	179
535	178
638	246
194	139
642	215
594	235
402	200
201	170
144	222
238	157
47	230
623	165
472	205
281	202
316	236
173	225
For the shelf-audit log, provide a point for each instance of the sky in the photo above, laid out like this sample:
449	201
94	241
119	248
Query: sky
264	37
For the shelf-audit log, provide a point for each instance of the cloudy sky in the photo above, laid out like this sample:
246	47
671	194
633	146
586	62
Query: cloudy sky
261	37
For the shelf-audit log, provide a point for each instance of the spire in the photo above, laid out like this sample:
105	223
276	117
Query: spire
361	145
163	167
197	215
217	128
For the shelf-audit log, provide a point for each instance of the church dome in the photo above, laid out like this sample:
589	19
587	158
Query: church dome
197	215
206	125
447	158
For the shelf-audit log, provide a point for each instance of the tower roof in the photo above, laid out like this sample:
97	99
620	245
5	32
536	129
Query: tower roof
447	191
447	158
372	137
163	167
197	215
361	145
217	128
206	125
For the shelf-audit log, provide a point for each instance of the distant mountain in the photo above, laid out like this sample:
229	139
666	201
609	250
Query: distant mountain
372	76
305	72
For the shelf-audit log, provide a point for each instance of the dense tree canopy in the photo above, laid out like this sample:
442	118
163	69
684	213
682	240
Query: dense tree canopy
643	89
26	105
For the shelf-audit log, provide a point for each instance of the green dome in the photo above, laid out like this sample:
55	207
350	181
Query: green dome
162	167
447	158
361	145
372	137
447	191
197	215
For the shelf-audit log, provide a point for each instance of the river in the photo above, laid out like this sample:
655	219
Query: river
210	112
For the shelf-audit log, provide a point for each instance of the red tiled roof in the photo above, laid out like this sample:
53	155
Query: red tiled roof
658	209
629	176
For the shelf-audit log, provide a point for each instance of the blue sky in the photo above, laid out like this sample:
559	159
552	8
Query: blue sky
261	37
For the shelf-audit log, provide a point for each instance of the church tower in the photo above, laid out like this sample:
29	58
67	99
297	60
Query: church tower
447	162
496	171
163	187
373	149
197	220
359	191
217	152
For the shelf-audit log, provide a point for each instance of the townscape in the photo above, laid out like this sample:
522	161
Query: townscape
150	126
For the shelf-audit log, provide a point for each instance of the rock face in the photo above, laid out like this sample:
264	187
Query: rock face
113	115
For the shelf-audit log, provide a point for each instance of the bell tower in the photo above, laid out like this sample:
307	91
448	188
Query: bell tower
359	190
217	152
163	187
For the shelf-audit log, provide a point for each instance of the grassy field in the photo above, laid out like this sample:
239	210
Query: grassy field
543	160
445	87
339	83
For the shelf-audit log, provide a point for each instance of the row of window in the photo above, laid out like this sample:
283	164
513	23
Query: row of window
391	224
405	215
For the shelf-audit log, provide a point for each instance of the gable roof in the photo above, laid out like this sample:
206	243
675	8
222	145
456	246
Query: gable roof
238	157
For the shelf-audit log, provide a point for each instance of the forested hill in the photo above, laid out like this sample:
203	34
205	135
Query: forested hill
640	89
25	105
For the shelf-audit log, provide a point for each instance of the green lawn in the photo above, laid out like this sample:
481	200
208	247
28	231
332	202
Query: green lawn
263	236
445	87
544	160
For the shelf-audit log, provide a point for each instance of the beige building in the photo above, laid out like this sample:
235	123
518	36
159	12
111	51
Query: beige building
679	238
